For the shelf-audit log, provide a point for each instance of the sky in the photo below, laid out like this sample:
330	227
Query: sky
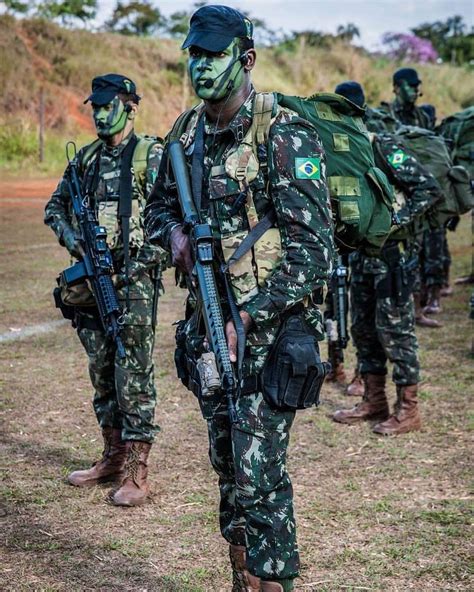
372	17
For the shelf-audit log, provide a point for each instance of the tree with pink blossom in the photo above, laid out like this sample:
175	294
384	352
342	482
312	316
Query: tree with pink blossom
409	47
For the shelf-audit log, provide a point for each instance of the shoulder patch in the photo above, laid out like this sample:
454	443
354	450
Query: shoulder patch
308	168
397	158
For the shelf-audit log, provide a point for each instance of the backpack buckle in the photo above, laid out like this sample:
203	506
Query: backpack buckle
240	173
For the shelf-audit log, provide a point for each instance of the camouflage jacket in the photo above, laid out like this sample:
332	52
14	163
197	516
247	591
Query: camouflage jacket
302	210
417	191
143	255
414	116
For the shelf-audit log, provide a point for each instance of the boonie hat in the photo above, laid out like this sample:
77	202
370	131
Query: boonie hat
106	87
214	27
352	90
410	75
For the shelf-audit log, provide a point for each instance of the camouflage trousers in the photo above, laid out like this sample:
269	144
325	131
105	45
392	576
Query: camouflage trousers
383	328
435	259
256	495
125	395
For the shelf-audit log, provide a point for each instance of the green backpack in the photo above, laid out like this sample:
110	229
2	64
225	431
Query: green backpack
431	151
459	129
361	194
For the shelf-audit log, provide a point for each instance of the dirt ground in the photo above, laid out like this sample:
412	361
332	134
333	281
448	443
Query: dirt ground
373	514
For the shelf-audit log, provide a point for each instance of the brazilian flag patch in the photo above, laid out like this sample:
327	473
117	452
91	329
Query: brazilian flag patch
396	159
308	168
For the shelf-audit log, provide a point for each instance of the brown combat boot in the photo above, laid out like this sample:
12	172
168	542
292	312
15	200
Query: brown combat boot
242	580
433	306
420	319
134	488
109	468
374	404
406	416
356	386
337	373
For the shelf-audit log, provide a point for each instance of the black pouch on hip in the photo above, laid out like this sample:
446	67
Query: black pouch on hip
293	372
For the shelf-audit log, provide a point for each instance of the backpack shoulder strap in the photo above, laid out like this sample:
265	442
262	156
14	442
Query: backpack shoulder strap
181	124
264	111
141	154
89	152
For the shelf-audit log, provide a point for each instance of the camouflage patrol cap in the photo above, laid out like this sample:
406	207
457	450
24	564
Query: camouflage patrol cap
352	90
410	75
214	27
108	86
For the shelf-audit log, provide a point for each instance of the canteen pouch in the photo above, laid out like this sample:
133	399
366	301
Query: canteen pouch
293	374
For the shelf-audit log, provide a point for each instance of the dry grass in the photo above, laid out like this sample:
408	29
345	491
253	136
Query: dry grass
373	514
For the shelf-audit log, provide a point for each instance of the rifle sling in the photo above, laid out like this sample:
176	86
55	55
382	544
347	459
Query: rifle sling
197	165
125	205
252	237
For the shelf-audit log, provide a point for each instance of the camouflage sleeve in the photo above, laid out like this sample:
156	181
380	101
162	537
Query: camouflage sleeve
297	175
162	213
407	174
57	212
149	255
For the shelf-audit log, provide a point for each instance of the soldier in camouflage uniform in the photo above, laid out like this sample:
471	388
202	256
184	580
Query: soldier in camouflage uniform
285	270
434	256
383	322
406	87
125	396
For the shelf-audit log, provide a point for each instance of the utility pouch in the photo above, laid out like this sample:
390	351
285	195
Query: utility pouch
293	372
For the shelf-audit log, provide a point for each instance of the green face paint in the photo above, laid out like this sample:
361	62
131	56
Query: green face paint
408	94
109	119
224	69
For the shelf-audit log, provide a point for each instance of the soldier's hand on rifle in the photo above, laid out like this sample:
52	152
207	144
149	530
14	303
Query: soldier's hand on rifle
70	241
231	334
181	250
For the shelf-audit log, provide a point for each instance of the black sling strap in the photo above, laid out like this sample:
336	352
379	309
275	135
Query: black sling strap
197	165
252	237
125	205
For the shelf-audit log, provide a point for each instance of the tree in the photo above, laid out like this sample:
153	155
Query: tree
402	46
67	11
449	38
348	32
135	18
16	7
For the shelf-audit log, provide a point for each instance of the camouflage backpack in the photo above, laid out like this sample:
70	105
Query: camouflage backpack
361	194
459	129
431	151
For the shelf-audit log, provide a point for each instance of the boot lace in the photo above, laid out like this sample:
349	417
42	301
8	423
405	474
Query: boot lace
133	461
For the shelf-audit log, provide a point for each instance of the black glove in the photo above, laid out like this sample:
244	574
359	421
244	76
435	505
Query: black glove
70	241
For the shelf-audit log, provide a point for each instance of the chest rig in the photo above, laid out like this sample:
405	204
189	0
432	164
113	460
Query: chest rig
238	192
115	191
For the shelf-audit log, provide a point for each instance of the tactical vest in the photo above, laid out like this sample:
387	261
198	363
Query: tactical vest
243	174
107	211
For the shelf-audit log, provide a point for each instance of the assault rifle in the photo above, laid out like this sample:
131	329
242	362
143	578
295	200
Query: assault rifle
338	291
96	264
202	247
